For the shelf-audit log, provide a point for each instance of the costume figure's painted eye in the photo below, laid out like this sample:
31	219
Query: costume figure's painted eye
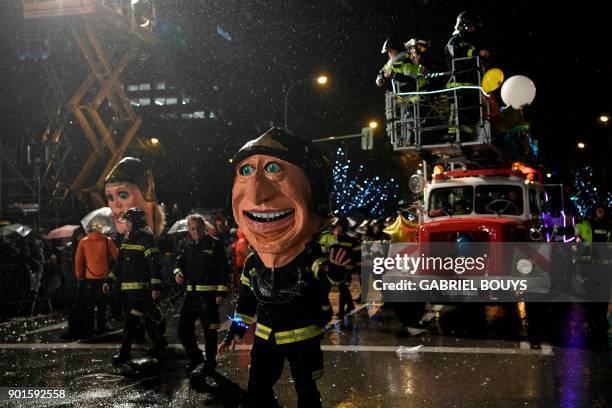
247	170
123	195
110	197
273	167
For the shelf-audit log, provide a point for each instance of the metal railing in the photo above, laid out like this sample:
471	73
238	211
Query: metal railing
441	120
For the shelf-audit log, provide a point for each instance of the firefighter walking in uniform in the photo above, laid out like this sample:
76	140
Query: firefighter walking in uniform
337	238
138	269
203	267
284	287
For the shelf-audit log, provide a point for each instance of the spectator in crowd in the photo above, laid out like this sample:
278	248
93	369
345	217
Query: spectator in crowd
240	250
91	267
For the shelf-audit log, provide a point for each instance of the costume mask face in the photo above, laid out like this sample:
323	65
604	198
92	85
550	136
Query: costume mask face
270	200
123	196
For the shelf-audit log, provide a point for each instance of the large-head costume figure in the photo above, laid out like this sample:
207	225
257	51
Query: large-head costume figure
128	185
280	195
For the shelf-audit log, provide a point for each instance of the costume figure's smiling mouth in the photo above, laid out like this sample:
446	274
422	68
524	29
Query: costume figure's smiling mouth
269	216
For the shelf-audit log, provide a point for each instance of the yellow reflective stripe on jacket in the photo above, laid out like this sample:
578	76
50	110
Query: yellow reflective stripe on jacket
133	247
214	326
246	319
221	288
203	288
151	251
136	313
262	331
133	285
346	244
155	281
245	281
316	265
293	336
326	307
111	276
177	270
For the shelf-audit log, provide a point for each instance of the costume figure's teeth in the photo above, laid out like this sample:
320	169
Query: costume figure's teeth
268	216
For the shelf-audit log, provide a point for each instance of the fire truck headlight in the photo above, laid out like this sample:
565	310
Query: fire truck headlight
535	234
524	266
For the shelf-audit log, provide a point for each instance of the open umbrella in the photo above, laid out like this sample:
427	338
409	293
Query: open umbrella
102	216
178	227
19	229
62	232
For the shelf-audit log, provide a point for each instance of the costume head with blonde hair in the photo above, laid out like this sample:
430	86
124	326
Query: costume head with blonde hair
130	184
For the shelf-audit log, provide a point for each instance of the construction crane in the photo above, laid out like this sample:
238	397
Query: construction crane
109	35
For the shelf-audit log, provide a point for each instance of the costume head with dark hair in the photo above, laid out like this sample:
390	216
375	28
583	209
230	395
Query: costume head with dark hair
130	184
280	194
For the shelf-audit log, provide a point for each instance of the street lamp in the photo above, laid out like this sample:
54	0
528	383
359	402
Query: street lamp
373	124
581	145
154	140
321	80
604	119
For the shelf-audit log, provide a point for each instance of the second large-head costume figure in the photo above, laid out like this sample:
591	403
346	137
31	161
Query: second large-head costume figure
280	196
130	184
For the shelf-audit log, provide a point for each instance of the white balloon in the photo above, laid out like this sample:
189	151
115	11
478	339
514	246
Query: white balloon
518	91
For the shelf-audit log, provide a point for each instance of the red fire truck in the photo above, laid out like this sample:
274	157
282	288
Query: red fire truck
484	205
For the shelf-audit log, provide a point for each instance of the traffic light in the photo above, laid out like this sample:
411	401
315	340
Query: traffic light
367	138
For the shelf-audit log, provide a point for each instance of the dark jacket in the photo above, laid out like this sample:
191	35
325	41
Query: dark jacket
464	45
291	302
138	264
204	266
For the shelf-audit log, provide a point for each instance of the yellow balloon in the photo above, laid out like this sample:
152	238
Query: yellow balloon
492	80
402	230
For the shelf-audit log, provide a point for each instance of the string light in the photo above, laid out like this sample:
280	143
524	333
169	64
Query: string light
586	193
354	190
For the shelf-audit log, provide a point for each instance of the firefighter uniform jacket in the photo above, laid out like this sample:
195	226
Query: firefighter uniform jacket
406	71
204	267
138	263
291	302
463	45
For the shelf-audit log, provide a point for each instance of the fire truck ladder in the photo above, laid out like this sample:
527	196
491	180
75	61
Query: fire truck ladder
100	104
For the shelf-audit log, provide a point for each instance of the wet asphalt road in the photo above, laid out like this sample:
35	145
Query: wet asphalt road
367	365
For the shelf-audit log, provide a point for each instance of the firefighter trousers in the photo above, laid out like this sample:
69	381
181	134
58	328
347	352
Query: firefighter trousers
346	298
200	307
93	304
141	308
267	360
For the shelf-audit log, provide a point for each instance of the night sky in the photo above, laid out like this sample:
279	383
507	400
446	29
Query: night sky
564	50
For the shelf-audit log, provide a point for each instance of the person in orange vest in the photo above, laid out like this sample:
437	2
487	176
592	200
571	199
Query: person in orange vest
240	251
91	267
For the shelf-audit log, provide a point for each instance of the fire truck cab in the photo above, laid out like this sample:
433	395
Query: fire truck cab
485	205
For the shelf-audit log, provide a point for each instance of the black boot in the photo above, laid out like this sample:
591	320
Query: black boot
196	375
209	366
